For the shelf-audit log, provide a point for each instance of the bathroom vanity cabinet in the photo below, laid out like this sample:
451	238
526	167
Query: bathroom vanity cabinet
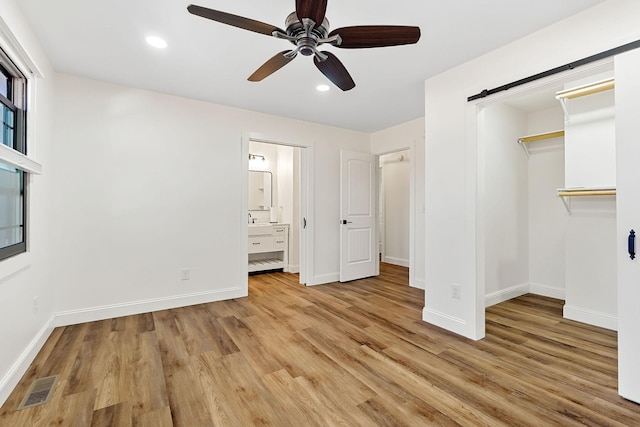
268	247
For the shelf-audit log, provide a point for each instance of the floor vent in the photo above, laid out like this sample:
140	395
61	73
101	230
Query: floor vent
39	392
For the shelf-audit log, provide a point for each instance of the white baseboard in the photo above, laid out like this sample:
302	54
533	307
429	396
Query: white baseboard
293	269
15	373
442	320
418	284
396	261
590	317
91	314
505	294
547	291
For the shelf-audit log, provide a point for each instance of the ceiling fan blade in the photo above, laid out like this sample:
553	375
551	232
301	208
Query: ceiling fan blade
365	36
271	66
233	20
333	69
312	9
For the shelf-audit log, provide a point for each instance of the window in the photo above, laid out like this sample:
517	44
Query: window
12	179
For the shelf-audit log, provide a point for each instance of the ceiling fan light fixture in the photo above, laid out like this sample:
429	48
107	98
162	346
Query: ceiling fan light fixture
157	42
323	88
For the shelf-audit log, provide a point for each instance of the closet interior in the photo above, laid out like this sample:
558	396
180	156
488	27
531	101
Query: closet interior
546	195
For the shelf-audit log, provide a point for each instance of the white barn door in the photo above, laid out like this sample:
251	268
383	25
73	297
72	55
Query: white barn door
627	93
358	216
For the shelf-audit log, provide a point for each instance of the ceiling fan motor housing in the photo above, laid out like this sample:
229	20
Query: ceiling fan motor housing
306	42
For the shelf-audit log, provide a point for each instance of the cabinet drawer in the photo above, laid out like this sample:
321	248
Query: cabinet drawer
279	242
260	244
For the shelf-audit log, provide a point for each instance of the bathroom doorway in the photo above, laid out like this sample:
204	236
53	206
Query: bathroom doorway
277	207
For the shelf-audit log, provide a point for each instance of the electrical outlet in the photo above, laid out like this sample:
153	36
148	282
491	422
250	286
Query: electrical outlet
455	291
185	274
35	304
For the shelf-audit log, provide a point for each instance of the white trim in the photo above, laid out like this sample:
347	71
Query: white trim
589	317
417	283
16	52
442	320
19	368
19	160
547	290
506	294
91	314
293	269
413	172
396	261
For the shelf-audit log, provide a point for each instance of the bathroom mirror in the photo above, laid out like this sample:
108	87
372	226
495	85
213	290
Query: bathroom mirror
259	190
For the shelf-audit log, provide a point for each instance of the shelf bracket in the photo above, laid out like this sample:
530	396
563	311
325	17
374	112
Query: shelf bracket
524	147
566	203
563	104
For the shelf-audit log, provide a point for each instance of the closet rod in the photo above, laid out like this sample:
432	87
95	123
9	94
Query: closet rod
541	136
584	61
573	193
588	89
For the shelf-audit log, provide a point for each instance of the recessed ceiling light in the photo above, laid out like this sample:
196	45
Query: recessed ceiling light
156	42
322	88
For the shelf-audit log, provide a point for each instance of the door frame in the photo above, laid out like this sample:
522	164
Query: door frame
306	198
412	205
475	214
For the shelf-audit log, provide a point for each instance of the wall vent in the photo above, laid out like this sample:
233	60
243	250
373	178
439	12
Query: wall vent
39	392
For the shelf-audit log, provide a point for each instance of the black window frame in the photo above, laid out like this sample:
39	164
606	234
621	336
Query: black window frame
9	70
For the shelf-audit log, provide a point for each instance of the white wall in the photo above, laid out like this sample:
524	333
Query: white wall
148	184
451	158
22	328
410	135
503	202
396	175
547	215
591	257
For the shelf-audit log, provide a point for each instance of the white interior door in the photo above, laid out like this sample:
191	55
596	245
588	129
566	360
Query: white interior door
627	94
358	216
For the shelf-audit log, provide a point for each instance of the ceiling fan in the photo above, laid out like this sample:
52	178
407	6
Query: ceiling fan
307	28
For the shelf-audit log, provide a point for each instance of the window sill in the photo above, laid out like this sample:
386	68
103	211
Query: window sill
13	265
19	160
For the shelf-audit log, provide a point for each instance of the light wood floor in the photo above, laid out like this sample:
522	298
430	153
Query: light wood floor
351	354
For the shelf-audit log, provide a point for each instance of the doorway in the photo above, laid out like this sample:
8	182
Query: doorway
395	208
280	174
534	151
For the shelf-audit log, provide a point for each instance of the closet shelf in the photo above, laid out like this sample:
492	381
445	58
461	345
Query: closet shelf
538	137
582	192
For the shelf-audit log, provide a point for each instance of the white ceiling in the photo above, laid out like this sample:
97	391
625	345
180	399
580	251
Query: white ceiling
104	40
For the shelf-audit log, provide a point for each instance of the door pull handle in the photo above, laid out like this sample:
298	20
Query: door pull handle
631	243
345	222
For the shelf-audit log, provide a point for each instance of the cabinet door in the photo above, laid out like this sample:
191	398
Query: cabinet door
627	94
